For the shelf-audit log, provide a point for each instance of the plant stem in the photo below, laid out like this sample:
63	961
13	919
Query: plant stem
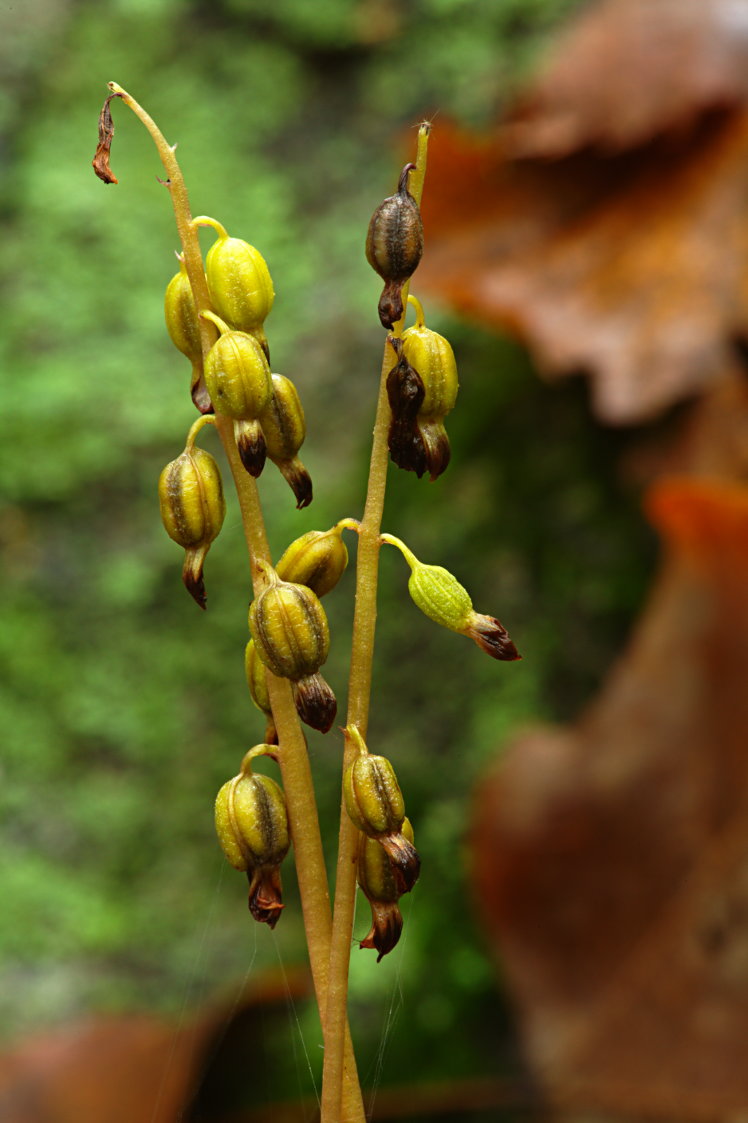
359	693
293	756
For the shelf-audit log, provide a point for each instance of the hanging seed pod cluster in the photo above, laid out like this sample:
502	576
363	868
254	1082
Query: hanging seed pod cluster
216	313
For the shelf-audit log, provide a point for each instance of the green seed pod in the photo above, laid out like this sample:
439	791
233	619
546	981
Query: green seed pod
289	627
432	356
317	559
239	281
442	598
237	373
192	511
254	669
252	828
184	331
378	882
285	429
394	245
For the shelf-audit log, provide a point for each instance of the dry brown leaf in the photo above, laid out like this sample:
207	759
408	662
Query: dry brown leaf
604	222
611	859
135	1068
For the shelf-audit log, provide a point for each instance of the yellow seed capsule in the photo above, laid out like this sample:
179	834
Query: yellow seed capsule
184	331
394	246
383	890
285	429
252	828
254	669
289	627
239	282
375	804
237	373
317	559
432	356
181	315
192	511
372	796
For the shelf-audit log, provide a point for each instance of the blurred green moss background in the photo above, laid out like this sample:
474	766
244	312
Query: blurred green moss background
122	708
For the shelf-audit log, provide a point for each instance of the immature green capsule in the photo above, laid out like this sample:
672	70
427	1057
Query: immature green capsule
239	282
382	889
292	638
285	429
375	804
252	828
394	246
442	598
317	559
192	510
184	331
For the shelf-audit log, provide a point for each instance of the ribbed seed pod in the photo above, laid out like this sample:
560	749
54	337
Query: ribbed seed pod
377	880
184	331
285	429
254	669
442	598
292	638
375	804
192	510
394	245
239	282
238	380
252	828
433	358
317	559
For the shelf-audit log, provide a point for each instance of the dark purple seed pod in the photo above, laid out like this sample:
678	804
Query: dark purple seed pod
394	245
405	389
405	392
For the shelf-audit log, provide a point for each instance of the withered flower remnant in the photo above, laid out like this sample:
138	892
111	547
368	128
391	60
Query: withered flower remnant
394	245
377	880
